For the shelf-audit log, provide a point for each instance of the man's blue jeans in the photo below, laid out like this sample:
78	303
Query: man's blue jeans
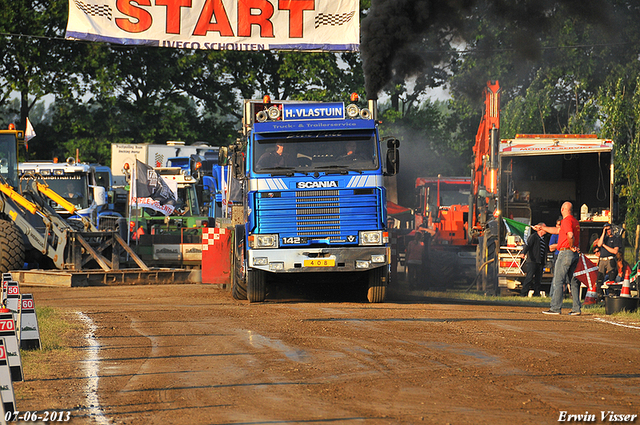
565	266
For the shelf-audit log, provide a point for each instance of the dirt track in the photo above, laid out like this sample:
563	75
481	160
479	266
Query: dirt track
189	354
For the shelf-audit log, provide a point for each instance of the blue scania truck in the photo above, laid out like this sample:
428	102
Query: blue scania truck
313	195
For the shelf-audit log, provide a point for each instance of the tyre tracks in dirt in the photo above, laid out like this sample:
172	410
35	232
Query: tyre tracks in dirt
191	354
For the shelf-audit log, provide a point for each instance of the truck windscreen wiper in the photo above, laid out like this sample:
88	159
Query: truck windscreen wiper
288	171
342	169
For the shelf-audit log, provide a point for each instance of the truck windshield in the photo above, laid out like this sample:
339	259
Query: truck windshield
316	151
8	160
449	195
73	188
189	198
103	178
186	205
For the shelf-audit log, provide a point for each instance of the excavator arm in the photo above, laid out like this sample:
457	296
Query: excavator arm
484	176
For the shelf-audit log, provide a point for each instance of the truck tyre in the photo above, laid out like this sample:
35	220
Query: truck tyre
12	250
488	254
239	284
493	246
76	224
378	279
256	285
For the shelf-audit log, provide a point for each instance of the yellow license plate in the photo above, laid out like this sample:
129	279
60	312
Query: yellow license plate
321	262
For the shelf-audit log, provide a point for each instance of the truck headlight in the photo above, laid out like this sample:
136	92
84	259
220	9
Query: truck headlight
276	266
263	241
362	264
371	237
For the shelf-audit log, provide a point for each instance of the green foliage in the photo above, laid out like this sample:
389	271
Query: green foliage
575	71
562	69
115	94
620	110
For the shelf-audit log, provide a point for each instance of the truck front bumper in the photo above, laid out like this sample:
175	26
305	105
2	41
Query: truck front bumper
305	260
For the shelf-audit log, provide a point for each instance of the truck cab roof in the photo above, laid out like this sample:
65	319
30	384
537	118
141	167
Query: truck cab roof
52	168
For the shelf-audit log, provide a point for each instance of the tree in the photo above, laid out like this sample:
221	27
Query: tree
34	61
620	100
557	79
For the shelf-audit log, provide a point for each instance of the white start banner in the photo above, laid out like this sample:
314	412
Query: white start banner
253	25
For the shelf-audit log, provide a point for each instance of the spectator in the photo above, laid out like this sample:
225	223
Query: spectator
568	245
415	251
623	268
536	253
609	245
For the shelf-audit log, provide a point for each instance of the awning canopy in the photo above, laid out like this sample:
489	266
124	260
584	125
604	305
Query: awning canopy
398	211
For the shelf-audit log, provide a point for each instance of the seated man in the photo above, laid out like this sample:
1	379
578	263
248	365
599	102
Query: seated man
609	245
72	193
352	153
276	158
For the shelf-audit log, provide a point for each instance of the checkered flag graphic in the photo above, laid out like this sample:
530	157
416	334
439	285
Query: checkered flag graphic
333	19
94	9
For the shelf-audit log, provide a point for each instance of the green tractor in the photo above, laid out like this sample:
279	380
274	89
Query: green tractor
174	240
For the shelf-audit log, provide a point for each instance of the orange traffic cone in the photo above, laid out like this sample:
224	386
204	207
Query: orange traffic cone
591	296
626	289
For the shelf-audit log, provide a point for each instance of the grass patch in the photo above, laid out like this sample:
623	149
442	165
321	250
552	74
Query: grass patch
54	325
58	330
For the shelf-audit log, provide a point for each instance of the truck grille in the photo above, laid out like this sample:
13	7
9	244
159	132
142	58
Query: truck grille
319	214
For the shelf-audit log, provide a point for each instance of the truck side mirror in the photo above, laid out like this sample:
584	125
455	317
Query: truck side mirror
100	195
223	156
239	165
393	157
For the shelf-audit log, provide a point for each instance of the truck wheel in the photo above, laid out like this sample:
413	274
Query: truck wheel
239	284
378	279
12	251
256	285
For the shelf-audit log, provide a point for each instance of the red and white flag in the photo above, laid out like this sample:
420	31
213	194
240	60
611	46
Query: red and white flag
586	272
29	134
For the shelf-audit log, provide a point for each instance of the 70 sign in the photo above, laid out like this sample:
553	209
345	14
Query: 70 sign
7	325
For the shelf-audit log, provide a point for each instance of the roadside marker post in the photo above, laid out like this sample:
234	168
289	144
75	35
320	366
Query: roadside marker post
29	331
11	345
11	294
6	386
12	302
24	309
2	412
6	277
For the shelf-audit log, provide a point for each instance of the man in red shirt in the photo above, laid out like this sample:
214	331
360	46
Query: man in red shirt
568	254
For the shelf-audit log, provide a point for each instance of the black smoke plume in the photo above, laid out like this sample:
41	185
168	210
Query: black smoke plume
394	31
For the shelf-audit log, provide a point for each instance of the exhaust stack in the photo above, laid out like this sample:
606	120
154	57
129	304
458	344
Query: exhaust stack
373	107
